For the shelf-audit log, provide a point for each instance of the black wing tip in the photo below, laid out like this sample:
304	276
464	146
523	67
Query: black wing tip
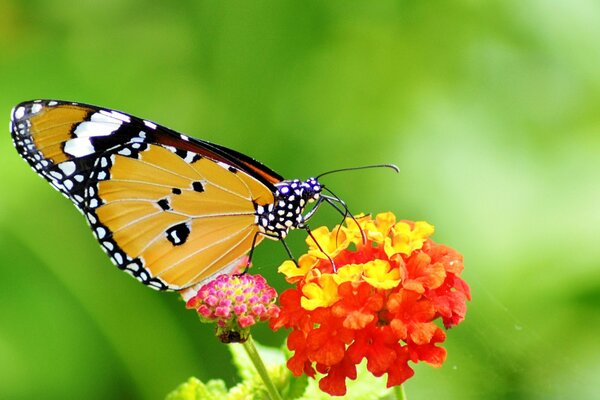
25	109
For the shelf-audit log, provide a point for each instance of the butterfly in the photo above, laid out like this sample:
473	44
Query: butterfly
170	210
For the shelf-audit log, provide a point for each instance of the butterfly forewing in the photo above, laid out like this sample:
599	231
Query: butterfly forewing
168	209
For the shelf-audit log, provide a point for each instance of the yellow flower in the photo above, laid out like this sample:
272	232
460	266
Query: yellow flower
354	229
294	272
380	274
349	273
321	294
375	230
332	242
406	239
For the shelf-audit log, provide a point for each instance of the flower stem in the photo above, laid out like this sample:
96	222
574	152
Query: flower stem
260	367
400	395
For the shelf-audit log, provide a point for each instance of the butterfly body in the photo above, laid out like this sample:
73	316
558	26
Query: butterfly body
287	210
170	210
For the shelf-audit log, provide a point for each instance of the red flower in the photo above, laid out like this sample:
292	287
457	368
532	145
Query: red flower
379	303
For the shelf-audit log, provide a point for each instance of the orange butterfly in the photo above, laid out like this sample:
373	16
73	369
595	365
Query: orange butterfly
170	210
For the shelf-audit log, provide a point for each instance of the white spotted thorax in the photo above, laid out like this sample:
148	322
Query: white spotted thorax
287	211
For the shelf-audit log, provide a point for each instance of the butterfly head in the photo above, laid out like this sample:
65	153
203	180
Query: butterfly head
311	189
299	192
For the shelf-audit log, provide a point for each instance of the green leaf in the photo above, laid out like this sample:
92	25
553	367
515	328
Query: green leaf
296	387
195	389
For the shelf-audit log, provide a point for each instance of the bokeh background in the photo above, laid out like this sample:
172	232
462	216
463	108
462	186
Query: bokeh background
491	110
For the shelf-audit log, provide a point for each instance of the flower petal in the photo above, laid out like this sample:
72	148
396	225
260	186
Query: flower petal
381	275
321	294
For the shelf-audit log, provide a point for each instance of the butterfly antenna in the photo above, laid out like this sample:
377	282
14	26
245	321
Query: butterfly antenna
335	198
391	166
344	213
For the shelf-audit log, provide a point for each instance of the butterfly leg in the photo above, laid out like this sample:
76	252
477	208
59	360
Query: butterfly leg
249	260
276	237
289	252
307	229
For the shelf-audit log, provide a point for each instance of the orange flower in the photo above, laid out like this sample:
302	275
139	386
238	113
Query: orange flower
380	303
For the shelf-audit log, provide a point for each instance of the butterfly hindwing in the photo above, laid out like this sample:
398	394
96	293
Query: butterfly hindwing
168	209
182	220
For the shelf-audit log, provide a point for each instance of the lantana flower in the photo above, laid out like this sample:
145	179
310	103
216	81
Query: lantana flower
235	303
375	299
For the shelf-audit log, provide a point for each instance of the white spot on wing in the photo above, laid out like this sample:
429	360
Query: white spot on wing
100	232
19	112
189	157
149	124
79	147
56	174
36	108
121	116
125	152
67	167
133	267
104	118
93	129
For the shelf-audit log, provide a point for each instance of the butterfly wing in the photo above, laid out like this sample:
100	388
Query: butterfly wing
169	209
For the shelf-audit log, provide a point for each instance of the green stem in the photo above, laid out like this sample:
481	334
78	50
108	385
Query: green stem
260	367
400	395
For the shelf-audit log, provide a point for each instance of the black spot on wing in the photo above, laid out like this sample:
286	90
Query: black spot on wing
178	234
181	153
176	191
164	204
197	186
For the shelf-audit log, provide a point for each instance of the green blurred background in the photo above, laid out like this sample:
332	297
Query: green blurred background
490	110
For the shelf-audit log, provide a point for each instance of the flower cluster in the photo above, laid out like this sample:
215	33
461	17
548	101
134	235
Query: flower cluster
235	302
370	289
